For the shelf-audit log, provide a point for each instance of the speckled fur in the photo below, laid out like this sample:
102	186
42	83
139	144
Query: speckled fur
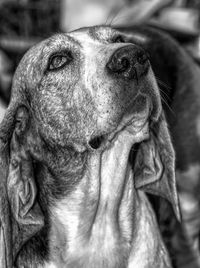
67	108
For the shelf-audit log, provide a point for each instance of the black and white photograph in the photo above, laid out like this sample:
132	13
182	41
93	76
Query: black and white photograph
99	133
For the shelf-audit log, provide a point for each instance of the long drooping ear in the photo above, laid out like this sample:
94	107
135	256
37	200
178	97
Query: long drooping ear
20	215
6	128
155	165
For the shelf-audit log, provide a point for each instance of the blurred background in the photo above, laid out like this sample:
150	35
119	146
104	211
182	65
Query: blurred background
25	22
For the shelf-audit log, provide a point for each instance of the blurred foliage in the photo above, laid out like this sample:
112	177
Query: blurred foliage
29	18
193	4
22	23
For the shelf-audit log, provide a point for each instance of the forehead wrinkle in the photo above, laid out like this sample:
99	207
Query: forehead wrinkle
95	32
73	40
87	44
101	33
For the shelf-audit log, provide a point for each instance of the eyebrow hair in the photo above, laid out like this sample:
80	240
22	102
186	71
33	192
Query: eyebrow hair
52	40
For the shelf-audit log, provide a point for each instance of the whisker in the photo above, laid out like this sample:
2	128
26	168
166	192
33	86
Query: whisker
108	18
162	91
115	16
112	17
162	83
167	105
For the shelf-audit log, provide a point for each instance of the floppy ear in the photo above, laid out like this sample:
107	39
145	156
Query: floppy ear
22	218
6	256
155	165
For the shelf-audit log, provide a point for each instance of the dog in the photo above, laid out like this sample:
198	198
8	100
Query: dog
83	140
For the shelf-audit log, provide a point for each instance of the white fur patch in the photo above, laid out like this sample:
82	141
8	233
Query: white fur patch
147	247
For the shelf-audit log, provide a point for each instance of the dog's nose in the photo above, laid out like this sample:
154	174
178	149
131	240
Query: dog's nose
128	62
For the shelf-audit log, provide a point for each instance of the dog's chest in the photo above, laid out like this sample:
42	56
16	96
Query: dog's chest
77	237
69	245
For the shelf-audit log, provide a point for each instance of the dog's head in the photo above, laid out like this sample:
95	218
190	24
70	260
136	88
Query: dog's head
79	90
82	85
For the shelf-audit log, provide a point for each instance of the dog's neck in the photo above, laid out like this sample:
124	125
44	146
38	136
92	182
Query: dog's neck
104	221
78	242
90	216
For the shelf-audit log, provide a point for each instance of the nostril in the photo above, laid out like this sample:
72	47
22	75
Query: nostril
142	57
119	64
125	64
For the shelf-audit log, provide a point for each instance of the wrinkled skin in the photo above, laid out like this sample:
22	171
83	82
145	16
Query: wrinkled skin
95	214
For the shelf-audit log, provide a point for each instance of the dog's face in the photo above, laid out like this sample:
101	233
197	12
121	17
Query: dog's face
86	85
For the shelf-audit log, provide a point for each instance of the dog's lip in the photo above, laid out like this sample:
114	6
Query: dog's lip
104	141
96	142
135	122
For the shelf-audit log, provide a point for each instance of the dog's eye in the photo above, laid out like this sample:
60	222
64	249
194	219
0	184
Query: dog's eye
59	61
118	39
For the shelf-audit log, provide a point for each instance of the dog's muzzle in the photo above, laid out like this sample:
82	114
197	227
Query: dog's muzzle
127	65
128	62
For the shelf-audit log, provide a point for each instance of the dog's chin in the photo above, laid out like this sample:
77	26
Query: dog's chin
132	127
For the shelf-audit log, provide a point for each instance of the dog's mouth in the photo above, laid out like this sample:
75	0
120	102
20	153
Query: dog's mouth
104	141
96	142
133	123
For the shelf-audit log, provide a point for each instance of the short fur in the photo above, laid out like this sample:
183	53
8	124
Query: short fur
70	202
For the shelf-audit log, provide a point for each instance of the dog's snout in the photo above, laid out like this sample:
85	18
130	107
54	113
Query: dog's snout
128	62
